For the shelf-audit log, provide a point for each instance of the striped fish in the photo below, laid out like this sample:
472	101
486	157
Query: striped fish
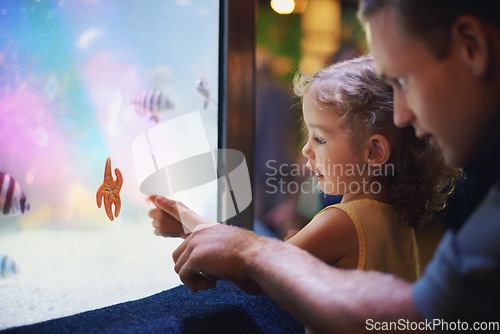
13	201
152	103
201	85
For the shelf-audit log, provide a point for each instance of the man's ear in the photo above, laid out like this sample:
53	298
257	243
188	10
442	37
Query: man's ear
377	150
470	35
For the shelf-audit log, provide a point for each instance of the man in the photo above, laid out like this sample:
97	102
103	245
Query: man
443	60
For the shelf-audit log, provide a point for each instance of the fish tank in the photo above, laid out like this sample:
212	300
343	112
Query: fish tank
101	104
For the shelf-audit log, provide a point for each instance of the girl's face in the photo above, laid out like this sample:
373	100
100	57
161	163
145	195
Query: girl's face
338	169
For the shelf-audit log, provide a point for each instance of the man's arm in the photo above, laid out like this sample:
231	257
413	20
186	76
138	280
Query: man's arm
322	297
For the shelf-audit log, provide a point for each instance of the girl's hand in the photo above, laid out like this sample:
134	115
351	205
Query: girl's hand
169	216
165	217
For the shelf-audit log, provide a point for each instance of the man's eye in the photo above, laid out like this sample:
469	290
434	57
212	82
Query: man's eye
319	140
401	82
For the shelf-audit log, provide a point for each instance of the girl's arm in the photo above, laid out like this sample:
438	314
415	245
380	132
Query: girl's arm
331	236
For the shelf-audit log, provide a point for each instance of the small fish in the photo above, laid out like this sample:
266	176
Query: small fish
13	201
7	266
201	85
152	103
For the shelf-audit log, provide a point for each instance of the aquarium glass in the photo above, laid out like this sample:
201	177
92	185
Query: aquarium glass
80	82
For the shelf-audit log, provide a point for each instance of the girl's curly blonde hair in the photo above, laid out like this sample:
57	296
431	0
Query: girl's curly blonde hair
421	182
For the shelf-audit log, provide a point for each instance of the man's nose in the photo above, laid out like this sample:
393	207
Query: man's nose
403	115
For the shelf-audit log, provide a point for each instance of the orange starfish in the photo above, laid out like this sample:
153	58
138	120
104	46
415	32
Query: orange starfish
110	190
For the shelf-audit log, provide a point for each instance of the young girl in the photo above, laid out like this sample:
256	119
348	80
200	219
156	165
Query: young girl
390	180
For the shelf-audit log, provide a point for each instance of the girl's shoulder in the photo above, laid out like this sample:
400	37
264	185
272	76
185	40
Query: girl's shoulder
360	205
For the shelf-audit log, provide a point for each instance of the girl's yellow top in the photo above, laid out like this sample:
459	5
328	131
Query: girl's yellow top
386	243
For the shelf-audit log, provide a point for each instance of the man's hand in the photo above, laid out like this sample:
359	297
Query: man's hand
326	299
216	251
